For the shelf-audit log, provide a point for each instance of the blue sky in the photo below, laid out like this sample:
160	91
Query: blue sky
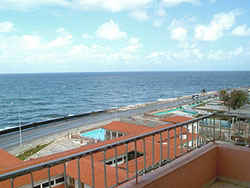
119	35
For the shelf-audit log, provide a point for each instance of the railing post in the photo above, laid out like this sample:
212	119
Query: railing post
144	155
79	175
214	130
136	173
174	142
202	132
207	133
12	182
210	128
168	147
93	171
126	147
153	152
105	175
32	181
198	136
116	166
65	176
220	129
161	148
192	135
181	142
49	177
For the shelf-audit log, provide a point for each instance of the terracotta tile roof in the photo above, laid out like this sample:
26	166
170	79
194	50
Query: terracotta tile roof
176	119
127	128
7	160
86	175
133	130
38	175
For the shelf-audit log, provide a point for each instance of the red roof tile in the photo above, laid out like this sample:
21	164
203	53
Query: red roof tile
177	119
127	128
7	160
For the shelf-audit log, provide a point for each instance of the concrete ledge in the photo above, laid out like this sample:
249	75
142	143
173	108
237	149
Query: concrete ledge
201	168
187	171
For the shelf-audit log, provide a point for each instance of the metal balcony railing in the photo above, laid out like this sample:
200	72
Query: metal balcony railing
173	141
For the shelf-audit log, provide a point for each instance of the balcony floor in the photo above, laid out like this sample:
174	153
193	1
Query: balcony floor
221	184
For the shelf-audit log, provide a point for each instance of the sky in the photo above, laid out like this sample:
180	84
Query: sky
124	35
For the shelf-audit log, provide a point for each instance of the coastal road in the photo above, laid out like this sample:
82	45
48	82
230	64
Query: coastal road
12	140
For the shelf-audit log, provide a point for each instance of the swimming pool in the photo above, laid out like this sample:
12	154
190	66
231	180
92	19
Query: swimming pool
95	134
168	111
190	112
175	109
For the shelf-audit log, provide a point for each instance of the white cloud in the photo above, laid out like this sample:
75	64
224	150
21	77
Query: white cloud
110	31
6	27
217	55
30	4
219	24
156	55
86	36
62	32
111	5
179	34
160	12
30	42
237	51
61	41
241	31
185	51
140	15
158	22
133	45
177	2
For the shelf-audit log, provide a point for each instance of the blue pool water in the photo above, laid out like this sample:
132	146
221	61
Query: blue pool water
168	111
95	134
190	112
175	109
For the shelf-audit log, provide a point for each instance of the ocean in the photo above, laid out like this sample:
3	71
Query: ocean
40	97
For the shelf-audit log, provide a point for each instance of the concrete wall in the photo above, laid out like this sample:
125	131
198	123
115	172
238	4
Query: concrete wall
200	168
189	171
233	163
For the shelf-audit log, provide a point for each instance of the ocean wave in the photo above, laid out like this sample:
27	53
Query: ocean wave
9	127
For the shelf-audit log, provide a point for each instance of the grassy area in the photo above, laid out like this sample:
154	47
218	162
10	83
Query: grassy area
31	152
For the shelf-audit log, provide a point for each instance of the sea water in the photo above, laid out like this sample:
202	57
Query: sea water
40	97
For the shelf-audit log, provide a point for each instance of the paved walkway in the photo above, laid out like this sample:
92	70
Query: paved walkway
60	145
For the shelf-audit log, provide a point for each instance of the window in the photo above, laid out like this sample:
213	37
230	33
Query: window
71	181
37	186
59	180
113	135
109	163
47	184
119	134
119	159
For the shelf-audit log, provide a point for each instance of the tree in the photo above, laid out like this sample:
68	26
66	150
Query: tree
238	99
235	99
